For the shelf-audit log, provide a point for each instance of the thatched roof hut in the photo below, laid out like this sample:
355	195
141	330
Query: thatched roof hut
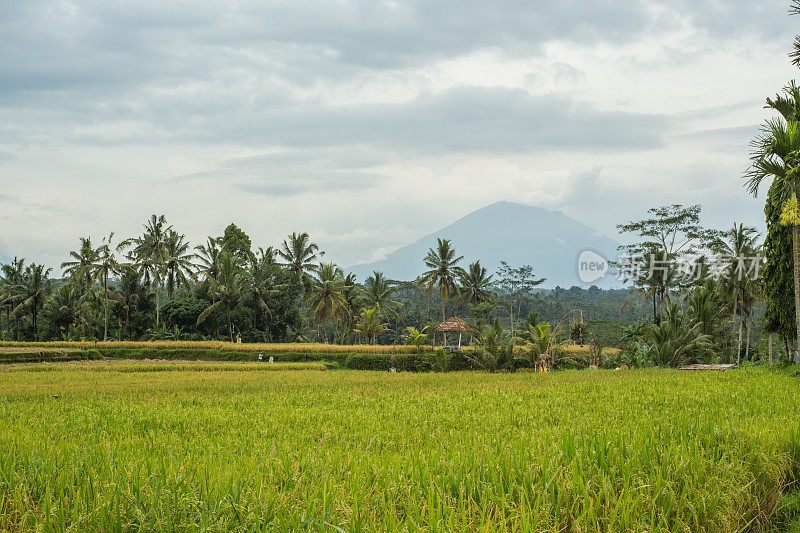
455	325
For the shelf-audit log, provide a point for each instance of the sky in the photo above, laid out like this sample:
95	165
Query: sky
369	124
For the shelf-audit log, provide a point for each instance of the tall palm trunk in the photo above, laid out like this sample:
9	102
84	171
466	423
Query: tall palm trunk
739	343
796	259
747	344
157	280
105	307
511	311
655	310
444	333
770	348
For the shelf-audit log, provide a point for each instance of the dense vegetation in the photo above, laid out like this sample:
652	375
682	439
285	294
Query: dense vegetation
156	287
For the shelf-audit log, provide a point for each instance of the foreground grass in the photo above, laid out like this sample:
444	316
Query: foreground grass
237	450
160	366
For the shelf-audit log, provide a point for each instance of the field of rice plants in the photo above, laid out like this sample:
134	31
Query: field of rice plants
297	449
270	347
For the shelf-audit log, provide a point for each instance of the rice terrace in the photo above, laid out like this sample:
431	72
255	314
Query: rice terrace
370	265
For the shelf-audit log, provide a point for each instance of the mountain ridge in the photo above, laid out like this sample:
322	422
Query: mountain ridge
520	234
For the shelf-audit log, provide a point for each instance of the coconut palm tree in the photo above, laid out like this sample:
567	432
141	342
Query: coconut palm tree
379	292
737	247
31	293
81	260
539	344
369	325
129	294
178	262
261	284
678	339
228	290
208	258
62	308
353	304
149	252
326	294
299	254
443	272
776	157
475	284
267	255
10	278
103	266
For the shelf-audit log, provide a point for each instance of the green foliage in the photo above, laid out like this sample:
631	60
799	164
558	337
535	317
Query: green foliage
236	242
440	360
678	340
416	337
443	271
369	325
493	350
777	277
538	345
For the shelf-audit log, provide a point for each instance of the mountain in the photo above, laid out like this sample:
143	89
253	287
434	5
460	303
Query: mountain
520	234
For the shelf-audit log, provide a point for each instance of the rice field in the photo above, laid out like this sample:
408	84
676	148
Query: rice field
271	347
302	449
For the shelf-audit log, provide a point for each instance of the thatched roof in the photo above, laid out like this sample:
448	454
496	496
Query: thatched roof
455	324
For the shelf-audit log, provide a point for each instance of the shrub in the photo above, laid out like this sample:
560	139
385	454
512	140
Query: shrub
440	360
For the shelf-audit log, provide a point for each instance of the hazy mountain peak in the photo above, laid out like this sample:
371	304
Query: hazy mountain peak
520	234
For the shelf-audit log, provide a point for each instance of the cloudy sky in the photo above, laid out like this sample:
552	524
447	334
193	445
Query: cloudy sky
371	123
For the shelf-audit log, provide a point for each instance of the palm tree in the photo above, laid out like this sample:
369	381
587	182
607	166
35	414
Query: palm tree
678	339
266	255
31	293
326	294
261	284
353	304
177	261
149	251
299	253
737	246
416	337
129	293
539	345
12	275
62	308
208	257
443	272
475	284
103	266
82	260
705	305
369	325
776	156
378	293
228	290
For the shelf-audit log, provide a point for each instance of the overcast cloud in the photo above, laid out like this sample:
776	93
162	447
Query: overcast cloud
372	123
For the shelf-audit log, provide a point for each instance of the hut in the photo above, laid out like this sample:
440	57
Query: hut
454	325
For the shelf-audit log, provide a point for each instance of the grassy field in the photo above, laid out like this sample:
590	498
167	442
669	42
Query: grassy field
358	451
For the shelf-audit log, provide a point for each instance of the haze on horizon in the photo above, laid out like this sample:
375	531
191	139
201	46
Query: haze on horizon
369	124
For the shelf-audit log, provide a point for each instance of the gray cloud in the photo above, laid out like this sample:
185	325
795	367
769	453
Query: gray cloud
464	119
96	96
